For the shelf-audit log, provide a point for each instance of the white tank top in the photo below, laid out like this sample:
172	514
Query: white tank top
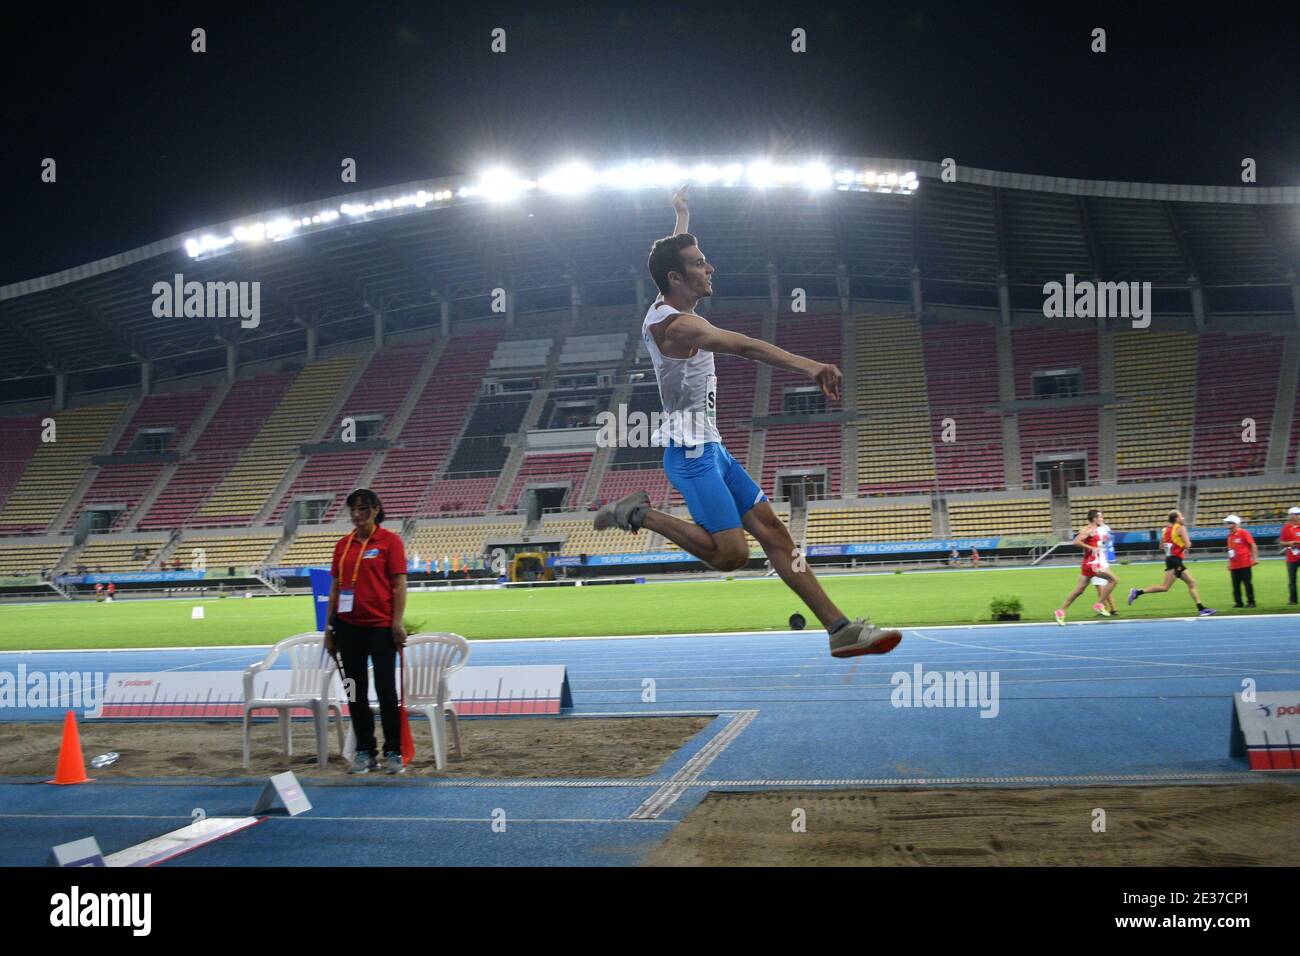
688	388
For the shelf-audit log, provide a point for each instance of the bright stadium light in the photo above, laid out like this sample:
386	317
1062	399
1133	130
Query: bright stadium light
705	173
817	176
500	185
760	174
569	180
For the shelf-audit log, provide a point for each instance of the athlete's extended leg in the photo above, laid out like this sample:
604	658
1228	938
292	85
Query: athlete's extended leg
723	550
1084	581
770	531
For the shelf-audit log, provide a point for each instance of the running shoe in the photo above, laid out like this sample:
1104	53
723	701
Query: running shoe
393	763
623	513
363	762
1206	612
1101	609
1133	595
1060	617
861	637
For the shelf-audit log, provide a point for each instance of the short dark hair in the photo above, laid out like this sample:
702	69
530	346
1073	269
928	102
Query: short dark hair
1173	517
1093	514
364	496
666	257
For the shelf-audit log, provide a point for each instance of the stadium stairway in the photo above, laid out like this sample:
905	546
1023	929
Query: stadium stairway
186	445
621	395
515	460
1285	404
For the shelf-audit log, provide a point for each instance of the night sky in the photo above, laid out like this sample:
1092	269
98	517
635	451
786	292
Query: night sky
153	140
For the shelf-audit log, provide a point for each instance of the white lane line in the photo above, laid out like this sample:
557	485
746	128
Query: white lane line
314	818
667	795
1085	657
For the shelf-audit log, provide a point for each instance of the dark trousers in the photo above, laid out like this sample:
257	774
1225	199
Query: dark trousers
356	646
1241	576
1291	568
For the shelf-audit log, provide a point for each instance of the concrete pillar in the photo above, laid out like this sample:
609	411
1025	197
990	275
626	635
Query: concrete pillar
1295	298
575	302
641	302
146	377
510	306
916	290
444	322
773	290
378	318
232	360
60	391
844	289
1004	298
312	343
1198	302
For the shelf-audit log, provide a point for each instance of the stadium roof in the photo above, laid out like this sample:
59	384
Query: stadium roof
403	259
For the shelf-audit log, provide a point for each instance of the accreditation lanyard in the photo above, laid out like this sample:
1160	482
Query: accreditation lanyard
346	597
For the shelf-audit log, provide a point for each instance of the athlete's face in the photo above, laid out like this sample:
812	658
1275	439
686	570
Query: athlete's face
698	279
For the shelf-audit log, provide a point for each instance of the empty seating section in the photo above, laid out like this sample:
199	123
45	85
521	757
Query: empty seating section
311	548
236	421
459	496
736	380
55	467
1236	379
1056	429
805	445
1138	511
604	349
19	437
382	386
633	451
580	537
24	560
961	373
1155	383
243	490
477	457
119	554
895	452
574	408
547	469
327	475
653	481
860	525
1002	516
1295	434
1250	503
439	541
435	421
117	485
521	354
813	446
497	415
219	552
175	411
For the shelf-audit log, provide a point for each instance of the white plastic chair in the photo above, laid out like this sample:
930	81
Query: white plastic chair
311	674
430	660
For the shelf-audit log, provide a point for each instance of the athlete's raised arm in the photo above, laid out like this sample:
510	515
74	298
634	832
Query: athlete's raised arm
683	210
686	332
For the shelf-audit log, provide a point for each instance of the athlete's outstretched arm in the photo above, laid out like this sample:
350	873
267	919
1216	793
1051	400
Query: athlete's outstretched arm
683	211
685	332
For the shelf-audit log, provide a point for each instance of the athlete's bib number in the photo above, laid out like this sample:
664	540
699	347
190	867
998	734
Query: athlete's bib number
711	398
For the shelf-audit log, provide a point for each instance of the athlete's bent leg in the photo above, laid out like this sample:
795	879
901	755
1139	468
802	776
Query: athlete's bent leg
724	551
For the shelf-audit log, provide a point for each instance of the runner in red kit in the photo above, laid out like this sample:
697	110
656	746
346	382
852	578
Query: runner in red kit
1176	544
1093	566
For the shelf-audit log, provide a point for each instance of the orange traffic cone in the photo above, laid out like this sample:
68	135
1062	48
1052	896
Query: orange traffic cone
72	766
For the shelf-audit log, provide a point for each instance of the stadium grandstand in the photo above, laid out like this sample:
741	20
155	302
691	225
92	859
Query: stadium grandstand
456	353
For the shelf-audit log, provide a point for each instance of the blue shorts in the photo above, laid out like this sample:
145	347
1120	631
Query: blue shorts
718	491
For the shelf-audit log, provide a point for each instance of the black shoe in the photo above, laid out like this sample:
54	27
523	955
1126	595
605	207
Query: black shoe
1239	606
1251	604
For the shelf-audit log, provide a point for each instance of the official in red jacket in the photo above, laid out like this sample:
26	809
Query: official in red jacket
367	604
1243	554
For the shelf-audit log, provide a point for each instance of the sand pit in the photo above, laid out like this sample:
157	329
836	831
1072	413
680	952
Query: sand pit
1240	825
521	747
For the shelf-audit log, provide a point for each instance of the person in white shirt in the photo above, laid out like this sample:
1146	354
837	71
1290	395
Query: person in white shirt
723	499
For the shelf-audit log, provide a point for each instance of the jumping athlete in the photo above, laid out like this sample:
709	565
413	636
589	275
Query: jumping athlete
723	499
1089	539
1176	544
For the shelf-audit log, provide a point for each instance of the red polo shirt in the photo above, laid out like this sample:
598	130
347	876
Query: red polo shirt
1291	538
368	571
1239	543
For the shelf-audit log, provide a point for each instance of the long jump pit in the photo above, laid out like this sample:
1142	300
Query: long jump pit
1256	824
524	747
